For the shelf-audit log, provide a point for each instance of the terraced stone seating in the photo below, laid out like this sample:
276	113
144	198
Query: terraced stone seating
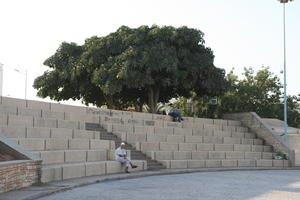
228	138
56	133
194	143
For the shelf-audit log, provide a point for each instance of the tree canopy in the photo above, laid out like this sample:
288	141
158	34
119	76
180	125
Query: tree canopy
259	92
133	66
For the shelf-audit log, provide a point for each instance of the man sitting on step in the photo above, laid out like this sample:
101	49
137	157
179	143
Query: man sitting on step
174	113
120	154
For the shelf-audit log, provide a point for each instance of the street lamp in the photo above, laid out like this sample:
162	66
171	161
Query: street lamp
25	80
284	72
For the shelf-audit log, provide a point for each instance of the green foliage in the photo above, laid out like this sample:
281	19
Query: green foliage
199	106
255	93
259	92
129	67
67	77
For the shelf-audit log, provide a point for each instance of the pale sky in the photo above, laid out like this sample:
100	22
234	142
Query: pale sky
242	33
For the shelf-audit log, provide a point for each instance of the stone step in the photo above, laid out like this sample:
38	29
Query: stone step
168	146
30	121
70	156
39	144
60	108
206	155
161	121
135	154
153	163
58	172
161	129
133	138
38	132
139	158
108	138
68	112
155	168
158	166
43	112
238	163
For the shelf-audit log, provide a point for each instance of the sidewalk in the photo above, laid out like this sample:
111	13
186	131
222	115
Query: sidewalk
42	190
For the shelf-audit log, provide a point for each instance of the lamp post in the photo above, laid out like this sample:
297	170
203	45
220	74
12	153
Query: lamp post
25	80
284	72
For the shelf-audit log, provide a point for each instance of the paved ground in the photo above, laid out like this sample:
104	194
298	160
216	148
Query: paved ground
221	185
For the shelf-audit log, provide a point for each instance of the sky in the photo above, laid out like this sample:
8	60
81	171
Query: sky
242	33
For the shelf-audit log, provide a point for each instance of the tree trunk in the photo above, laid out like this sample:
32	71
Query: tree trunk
153	96
110	102
141	107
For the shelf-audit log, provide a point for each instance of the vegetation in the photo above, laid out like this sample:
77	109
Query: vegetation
260	93
145	67
133	67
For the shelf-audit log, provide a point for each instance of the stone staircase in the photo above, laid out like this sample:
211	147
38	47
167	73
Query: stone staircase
135	154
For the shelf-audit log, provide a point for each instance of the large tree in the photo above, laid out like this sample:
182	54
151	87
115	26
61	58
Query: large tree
138	66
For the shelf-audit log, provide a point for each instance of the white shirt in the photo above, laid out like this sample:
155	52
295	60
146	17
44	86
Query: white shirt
169	109
119	151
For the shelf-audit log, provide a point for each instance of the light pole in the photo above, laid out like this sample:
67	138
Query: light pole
284	72
25	80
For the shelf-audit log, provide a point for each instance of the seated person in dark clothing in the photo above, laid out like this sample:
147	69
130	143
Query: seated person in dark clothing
174	113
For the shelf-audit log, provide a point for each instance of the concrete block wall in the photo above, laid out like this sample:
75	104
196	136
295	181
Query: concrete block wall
19	168
18	174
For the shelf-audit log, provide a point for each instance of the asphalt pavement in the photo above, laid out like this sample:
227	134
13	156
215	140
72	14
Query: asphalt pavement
218	185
